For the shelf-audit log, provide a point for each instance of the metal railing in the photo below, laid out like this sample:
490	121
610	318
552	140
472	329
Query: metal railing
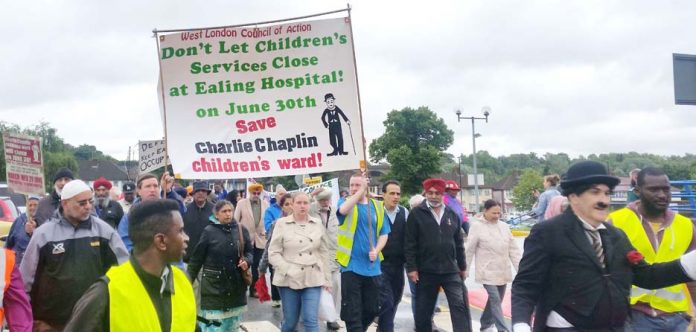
685	199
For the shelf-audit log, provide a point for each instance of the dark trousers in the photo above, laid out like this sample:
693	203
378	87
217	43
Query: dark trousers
359	300
427	288
275	293
258	253
336	137
390	292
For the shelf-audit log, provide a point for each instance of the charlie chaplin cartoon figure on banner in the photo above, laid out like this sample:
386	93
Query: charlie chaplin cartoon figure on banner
331	120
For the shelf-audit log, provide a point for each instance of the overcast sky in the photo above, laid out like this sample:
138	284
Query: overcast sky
560	76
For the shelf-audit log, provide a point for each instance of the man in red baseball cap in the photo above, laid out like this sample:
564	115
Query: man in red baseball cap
450	197
107	209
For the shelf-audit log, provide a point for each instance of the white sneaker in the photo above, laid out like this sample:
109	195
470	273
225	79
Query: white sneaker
275	304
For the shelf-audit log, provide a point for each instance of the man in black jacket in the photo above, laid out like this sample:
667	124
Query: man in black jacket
49	205
577	270
435	258
393	264
197	215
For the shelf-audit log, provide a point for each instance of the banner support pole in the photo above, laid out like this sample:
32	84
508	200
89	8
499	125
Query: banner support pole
362	134
164	103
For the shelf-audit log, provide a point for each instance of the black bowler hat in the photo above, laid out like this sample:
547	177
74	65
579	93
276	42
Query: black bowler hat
329	95
588	172
201	185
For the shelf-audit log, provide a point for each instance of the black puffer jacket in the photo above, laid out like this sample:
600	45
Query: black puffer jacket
217	256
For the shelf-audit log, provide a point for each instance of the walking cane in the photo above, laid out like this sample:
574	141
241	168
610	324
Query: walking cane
350	129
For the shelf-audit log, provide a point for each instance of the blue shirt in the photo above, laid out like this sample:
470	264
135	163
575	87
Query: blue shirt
543	202
123	224
273	212
360	253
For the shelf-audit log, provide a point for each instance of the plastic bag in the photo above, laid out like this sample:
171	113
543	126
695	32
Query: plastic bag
327	311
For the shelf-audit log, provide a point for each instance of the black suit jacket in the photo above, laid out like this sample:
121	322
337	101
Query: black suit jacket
559	271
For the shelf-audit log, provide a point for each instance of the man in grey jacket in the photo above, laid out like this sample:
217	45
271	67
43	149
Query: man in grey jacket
321	208
66	255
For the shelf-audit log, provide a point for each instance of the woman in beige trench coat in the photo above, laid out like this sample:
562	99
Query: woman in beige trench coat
299	254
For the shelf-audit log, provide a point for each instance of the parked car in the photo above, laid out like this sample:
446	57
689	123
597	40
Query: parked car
8	214
525	220
19	200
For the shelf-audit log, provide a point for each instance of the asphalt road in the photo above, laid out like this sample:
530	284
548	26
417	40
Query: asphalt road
261	317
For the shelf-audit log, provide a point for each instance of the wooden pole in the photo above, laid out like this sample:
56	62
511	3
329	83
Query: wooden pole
362	135
164	108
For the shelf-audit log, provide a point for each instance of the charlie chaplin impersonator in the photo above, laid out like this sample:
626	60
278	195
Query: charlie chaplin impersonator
577	270
331	120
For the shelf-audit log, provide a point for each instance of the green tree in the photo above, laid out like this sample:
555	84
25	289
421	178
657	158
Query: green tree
412	143
5	127
522	194
556	163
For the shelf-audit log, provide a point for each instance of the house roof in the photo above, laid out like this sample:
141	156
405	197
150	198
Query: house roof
507	182
90	170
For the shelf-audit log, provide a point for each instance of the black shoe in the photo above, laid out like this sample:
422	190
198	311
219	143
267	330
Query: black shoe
343	153
331	154
333	326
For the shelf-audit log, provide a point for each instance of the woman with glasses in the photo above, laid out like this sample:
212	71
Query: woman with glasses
223	292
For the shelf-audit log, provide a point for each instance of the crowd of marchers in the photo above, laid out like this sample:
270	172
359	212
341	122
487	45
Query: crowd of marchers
168	258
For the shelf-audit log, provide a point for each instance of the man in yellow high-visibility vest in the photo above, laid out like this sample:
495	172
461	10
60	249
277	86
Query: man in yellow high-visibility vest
661	235
362	234
145	293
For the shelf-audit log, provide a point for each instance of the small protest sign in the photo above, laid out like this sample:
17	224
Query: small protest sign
24	163
152	155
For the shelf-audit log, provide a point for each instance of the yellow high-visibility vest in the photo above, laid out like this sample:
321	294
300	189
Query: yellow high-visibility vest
130	307
346	231
675	241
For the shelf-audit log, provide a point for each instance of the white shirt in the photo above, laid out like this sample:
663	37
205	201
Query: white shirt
438	217
392	214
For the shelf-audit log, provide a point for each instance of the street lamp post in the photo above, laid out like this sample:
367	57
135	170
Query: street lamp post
461	199
486	112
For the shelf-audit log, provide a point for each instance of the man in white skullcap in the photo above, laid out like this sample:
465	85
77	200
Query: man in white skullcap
66	255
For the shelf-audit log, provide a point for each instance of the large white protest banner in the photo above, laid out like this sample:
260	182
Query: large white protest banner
24	163
260	101
151	155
